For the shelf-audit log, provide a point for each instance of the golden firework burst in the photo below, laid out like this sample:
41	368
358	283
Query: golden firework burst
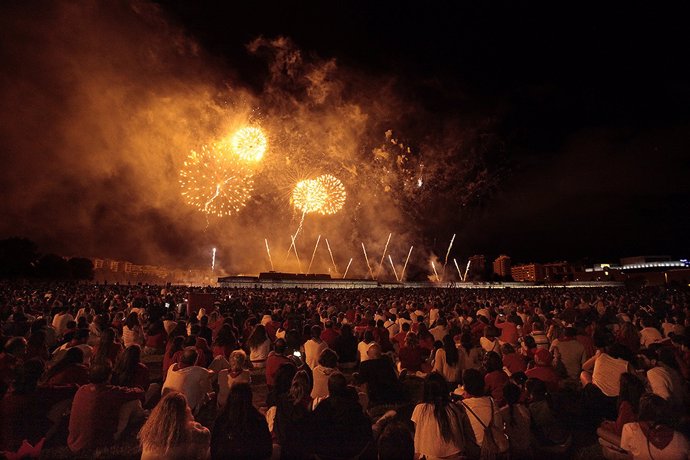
249	144
309	195
214	182
335	194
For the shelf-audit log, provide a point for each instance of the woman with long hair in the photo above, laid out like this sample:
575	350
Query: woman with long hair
131	331
171	432
240	430
259	346
155	338
517	420
292	420
107	349
225	342
69	370
470	355
172	353
129	371
439	430
447	361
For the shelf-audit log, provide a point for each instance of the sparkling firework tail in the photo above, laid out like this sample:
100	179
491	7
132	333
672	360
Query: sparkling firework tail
213	260
458	269
390	259
347	268
335	269
402	274
447	254
433	265
268	251
313	254
383	256
366	257
467	269
293	246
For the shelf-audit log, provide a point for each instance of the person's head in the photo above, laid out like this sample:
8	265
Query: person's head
16	346
368	336
27	375
536	389
667	357
511	393
631	389
280	346
466	341
237	360
396	443
507	349
619	351
655	410
189	357
528	343
167	426
107	336
316	332
492	362
100	372
436	389
132	320
258	336
411	340
346	330
473	382
300	388
328	358
543	357
337	385
405	327
374	351
569	332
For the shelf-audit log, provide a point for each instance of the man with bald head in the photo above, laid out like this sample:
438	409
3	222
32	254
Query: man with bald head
191	380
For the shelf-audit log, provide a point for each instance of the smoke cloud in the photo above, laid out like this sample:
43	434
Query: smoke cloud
105	100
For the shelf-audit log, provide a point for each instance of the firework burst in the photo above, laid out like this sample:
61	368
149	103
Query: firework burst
335	194
214	183
249	144
309	196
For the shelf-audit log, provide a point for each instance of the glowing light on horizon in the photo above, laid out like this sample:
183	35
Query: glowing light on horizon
249	144
214	182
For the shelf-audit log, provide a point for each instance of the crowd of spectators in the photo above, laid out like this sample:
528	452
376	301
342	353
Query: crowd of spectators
370	373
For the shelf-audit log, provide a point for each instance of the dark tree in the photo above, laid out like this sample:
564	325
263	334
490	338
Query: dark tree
17	257
81	268
52	266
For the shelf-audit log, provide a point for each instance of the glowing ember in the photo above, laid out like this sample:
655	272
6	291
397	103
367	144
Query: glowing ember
335	194
214	183
309	196
249	144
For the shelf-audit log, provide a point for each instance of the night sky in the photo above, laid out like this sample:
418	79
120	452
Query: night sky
580	112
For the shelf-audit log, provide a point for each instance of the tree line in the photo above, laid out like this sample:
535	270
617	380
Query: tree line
20	258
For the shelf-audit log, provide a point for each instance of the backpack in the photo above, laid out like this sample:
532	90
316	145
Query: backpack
495	441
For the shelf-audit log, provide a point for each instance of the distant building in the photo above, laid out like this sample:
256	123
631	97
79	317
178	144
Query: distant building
477	268
558	271
528	272
502	266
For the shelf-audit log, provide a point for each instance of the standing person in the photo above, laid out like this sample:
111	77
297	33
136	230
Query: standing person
96	409
345	345
171	432
240	430
314	347
192	381
439	430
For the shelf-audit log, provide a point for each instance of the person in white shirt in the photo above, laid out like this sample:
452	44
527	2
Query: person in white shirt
652	436
313	347
649	334
60	321
392	326
440	330
663	376
481	410
192	381
363	346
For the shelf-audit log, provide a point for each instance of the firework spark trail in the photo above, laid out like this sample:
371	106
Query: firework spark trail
348	267
293	246
332	259
213	260
208	203
383	256
467	269
390	259
433	265
366	257
313	254
402	274
268	251
447	254
458	269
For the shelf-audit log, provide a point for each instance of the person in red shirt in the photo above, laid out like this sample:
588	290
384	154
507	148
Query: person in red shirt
411	355
329	334
544	371
399	338
96	409
509	329
69	370
495	379
513	361
275	359
129	371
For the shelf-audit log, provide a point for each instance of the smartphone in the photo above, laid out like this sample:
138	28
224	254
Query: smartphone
167	304
297	354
